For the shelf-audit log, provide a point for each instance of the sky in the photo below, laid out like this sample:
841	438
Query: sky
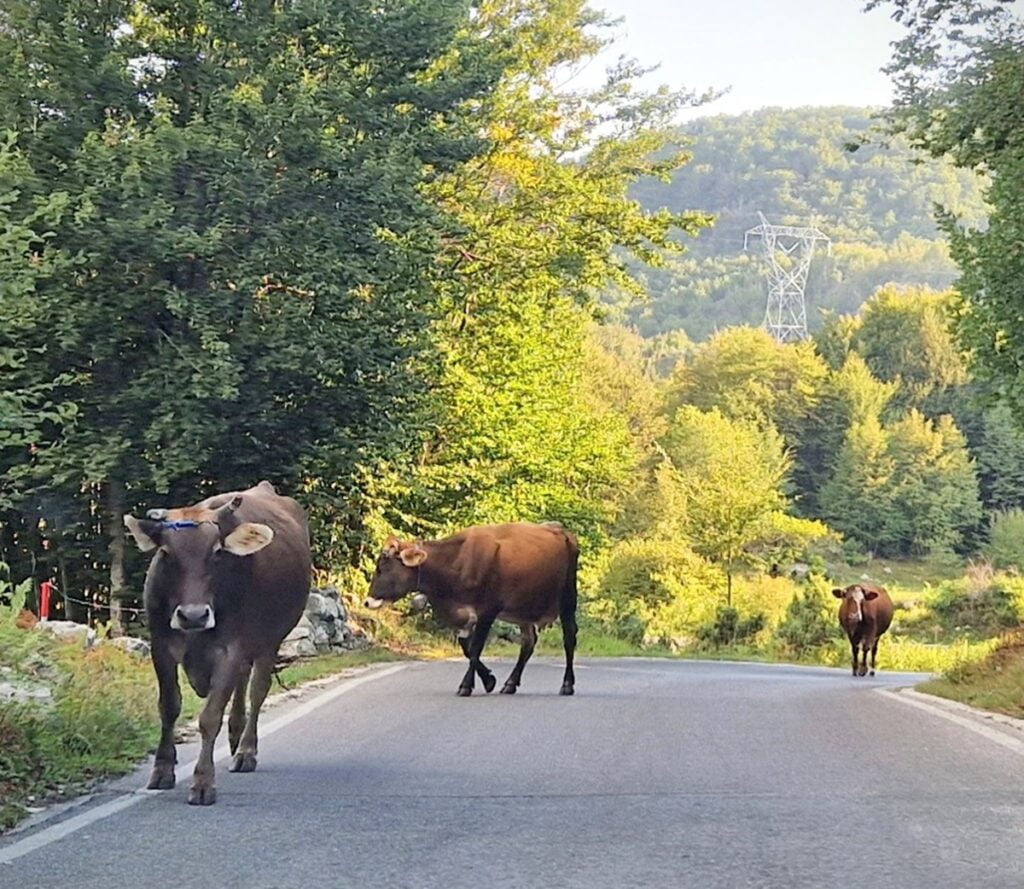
770	52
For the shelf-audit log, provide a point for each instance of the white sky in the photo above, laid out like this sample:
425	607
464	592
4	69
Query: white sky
770	52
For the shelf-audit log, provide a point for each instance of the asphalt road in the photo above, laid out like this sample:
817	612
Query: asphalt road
656	774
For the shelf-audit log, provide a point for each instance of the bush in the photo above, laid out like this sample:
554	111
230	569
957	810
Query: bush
987	607
1006	539
654	591
728	628
809	624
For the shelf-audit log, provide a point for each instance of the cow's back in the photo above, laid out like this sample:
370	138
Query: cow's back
275	586
878	612
531	567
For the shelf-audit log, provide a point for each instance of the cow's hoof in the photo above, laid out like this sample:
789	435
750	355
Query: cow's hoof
464	692
862	672
567	690
244	762
489	683
871	673
161	779
200	795
508	689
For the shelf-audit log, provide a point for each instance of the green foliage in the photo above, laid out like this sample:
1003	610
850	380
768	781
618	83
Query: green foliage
876	204
729	628
809	623
731	473
904	336
983	608
1005	547
906	489
1000	456
654	590
232	244
958	72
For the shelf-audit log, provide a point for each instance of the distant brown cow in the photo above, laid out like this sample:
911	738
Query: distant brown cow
228	581
521	573
865	614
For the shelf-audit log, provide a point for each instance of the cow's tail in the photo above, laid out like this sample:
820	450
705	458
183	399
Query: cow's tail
567	611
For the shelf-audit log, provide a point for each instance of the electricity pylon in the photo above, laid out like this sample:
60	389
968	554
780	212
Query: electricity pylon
789	250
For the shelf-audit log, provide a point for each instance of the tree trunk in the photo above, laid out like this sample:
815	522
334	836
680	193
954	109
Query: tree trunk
115	528
728	587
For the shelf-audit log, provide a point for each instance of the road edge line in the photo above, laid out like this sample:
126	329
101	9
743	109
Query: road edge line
62	829
972	722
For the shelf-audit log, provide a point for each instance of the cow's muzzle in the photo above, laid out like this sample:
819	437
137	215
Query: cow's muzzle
193	617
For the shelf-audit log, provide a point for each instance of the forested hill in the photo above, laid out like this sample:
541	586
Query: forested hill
793	165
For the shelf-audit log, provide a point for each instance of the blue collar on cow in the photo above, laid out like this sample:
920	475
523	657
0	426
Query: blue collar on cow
179	525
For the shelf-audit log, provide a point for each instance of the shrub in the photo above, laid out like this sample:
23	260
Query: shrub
729	628
653	591
983	608
1006	539
809	624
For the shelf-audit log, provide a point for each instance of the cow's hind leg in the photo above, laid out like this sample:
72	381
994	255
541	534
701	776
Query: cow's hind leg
225	677
567	616
853	646
874	658
262	675
486	676
475	648
526	645
162	776
236	721
865	647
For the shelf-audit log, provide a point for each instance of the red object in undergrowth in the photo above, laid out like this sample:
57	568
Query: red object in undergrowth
45	594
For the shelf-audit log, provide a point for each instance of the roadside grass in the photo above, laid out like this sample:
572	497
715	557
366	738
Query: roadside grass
995	683
102	717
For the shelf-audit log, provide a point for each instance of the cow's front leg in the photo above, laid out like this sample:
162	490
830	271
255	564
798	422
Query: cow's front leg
476	647
262	674
166	667
486	676
203	791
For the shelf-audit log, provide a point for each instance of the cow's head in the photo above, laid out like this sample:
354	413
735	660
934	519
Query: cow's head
195	558
856	595
397	573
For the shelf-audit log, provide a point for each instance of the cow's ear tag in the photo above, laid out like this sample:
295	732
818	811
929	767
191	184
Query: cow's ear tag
248	538
413	556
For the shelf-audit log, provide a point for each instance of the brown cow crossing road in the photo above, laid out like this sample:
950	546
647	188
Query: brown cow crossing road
656	774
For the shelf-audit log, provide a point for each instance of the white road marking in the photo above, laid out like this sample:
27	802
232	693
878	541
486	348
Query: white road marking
946	709
65	828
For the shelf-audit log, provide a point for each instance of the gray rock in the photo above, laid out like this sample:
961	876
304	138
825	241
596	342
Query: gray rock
24	690
131	644
69	631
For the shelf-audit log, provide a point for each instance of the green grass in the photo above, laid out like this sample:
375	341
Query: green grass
103	718
909	575
995	683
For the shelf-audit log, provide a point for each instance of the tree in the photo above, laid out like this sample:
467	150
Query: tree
731	473
905	338
527	425
744	372
958	72
236	245
908	489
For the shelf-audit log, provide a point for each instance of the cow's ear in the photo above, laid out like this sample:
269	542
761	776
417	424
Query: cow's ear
145	532
869	595
413	556
837	593
248	538
392	545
